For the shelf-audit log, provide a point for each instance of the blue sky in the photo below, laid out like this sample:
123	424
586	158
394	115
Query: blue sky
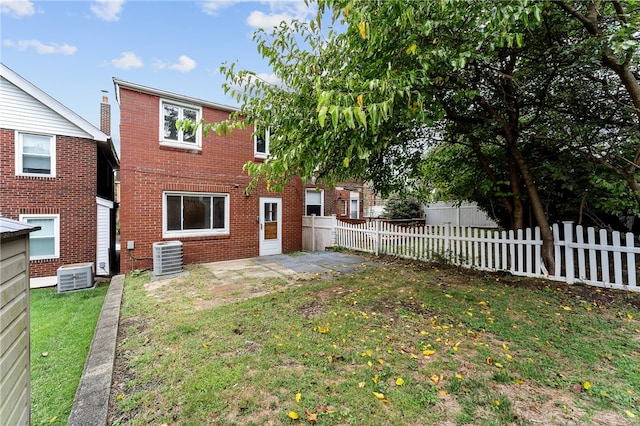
72	49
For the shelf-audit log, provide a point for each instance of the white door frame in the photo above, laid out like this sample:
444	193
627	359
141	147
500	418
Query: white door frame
270	246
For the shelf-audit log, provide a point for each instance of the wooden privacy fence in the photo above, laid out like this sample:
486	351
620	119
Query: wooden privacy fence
582	255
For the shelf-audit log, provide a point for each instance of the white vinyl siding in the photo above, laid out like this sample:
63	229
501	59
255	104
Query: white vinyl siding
19	110
170	113
44	243
103	237
189	214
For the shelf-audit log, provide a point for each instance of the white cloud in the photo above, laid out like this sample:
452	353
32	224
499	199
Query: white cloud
269	78
41	48
17	8
107	10
185	64
126	61
212	7
258	19
280	11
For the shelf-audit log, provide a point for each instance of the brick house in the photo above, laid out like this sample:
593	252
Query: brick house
345	200
56	172
190	187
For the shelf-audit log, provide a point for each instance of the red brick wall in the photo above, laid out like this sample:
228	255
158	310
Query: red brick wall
71	194
147	170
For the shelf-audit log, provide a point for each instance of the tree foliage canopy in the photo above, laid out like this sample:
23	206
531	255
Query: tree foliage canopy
525	105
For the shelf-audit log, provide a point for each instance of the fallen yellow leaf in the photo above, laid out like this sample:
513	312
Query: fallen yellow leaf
566	308
630	316
293	415
505	347
53	419
399	381
361	384
629	413
519	381
586	385
442	393
298	397
459	376
428	352
380	396
206	345
120	396
435	379
497	403
312	417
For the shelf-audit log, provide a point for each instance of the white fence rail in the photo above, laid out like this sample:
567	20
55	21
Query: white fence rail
603	259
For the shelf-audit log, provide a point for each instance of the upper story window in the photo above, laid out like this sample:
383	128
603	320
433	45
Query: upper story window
261	140
314	202
170	113
44	243
195	214
35	154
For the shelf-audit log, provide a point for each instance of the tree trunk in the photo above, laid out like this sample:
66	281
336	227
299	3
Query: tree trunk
538	210
518	208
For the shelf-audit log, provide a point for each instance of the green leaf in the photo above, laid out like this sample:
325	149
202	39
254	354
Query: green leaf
322	114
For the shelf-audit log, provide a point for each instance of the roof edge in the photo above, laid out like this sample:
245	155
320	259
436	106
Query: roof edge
169	95
46	99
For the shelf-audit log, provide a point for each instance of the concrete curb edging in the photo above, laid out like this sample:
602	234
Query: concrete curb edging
91	403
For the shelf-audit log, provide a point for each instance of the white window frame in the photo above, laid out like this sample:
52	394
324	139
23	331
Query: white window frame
195	232
354	196
19	141
267	140
306	199
56	232
180	143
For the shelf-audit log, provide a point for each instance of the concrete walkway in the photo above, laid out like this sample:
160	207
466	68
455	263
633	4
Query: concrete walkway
91	404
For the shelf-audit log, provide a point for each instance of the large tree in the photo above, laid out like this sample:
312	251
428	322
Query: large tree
356	102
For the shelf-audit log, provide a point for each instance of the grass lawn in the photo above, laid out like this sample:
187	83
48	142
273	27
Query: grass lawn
62	327
403	344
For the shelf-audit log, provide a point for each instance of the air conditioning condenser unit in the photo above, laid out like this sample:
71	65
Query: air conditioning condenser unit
167	258
77	276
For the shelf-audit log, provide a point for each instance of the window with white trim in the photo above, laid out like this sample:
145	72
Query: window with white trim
261	139
35	154
45	242
195	214
343	207
170	113
314	202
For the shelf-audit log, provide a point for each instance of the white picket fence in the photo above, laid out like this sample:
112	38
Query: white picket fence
582	255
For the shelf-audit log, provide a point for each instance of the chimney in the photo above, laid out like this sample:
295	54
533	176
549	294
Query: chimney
105	114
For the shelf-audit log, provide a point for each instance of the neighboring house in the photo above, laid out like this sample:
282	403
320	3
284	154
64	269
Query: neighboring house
345	200
56	172
191	187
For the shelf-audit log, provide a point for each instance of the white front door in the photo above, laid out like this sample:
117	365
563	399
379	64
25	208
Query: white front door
270	226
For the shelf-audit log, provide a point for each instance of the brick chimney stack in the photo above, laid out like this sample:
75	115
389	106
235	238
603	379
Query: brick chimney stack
105	114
